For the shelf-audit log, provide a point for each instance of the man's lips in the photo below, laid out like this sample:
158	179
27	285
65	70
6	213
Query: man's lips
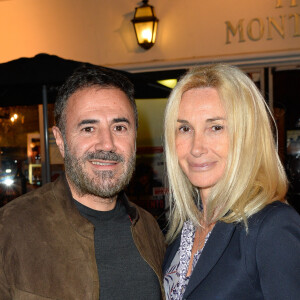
101	163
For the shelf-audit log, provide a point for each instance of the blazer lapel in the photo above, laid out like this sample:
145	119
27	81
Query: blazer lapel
213	250
170	253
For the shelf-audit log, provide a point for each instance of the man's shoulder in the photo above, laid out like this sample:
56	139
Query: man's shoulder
27	199
142	213
147	229
145	220
28	207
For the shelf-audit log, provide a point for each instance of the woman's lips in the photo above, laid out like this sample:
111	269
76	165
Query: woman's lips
202	166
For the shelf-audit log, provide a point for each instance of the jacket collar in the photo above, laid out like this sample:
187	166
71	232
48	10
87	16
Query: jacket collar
63	196
213	250
130	207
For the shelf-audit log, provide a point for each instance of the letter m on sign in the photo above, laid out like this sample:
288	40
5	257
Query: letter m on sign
231	30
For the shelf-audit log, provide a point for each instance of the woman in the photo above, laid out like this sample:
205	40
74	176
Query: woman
230	235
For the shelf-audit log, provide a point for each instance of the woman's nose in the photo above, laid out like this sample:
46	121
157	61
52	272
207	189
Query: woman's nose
199	145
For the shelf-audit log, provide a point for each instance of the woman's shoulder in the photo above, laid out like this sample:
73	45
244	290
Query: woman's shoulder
272	248
276	223
275	213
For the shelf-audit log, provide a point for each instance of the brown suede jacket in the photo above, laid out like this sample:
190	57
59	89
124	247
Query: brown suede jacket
47	247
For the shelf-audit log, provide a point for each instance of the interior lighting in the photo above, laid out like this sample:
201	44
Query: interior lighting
14	118
170	83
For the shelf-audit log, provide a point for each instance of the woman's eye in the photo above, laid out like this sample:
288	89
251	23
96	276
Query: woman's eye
184	128
217	127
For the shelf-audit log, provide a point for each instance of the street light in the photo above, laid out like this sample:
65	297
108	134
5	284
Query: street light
145	25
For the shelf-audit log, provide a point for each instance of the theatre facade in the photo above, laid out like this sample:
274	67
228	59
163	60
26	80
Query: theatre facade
261	37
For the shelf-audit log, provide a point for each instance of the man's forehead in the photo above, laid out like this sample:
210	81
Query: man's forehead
96	93
96	103
99	95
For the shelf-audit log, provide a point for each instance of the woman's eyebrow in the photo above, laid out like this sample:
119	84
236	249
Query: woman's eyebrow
215	119
182	121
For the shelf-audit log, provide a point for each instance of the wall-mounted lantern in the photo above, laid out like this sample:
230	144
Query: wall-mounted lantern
145	25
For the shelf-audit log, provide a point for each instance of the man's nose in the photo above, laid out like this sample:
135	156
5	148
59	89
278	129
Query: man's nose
105	140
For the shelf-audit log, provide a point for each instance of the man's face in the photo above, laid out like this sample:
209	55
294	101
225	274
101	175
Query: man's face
99	142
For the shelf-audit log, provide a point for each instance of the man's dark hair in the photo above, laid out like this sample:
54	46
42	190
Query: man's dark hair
88	76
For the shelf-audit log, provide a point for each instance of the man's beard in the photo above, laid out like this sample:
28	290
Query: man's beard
104	184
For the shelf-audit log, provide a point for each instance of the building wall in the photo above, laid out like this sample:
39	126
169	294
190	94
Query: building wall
193	31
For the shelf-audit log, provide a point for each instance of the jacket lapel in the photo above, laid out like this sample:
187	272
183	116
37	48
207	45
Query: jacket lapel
170	253
213	250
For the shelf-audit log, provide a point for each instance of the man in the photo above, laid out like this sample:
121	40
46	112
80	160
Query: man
79	237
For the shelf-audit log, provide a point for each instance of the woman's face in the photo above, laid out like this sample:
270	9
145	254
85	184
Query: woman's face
202	139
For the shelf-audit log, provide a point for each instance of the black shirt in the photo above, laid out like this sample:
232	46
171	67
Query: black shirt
123	273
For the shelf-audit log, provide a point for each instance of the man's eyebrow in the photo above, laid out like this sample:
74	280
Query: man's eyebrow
93	121
120	120
87	121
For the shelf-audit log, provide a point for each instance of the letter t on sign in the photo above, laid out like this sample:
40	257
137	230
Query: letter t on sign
292	4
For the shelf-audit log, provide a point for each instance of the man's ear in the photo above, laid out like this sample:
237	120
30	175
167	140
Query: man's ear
59	140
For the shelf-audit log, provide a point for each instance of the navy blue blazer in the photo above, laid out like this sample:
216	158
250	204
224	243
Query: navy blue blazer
261	264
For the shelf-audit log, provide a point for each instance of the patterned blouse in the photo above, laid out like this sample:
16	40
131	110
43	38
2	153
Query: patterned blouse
175	279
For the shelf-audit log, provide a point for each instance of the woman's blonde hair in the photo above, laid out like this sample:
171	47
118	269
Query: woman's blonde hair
254	175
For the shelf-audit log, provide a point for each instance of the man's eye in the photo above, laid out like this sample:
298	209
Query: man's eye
88	129
120	128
